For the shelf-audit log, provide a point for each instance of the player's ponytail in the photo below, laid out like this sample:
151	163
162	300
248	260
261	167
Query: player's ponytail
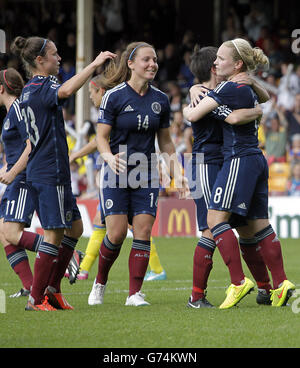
251	57
28	49
259	58
12	81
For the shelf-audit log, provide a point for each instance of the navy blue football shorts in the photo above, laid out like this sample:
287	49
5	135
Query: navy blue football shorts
121	197
17	204
241	187
56	205
202	178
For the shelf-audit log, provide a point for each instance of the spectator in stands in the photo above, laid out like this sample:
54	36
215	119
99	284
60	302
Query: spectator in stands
294	183
293	117
276	139
171	62
70	47
175	95
254	21
289	86
274	54
66	71
232	28
186	77
188	41
177	135
294	153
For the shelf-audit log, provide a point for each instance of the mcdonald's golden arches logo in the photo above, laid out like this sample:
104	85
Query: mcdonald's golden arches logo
179	216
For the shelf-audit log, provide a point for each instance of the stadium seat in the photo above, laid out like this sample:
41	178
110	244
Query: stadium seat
279	169
278	184
278	178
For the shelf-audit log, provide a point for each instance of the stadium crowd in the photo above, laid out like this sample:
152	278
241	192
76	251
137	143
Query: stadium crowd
279	133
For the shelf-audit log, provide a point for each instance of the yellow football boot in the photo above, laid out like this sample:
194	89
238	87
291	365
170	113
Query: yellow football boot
280	296
235	293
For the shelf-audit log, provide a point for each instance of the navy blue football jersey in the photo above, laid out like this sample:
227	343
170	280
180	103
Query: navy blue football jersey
134	119
238	140
208	138
42	112
14	136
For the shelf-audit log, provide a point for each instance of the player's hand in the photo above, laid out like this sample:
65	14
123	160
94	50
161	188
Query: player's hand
182	186
242	78
72	157
103	57
196	92
115	162
7	177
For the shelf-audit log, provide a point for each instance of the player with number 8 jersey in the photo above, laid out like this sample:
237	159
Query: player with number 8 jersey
241	186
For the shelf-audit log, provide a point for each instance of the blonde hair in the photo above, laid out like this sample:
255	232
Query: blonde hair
119	72
252	57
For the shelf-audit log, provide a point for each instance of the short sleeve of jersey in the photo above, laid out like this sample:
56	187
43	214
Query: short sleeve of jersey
22	130
230	96
49	92
237	96
107	108
221	112
20	123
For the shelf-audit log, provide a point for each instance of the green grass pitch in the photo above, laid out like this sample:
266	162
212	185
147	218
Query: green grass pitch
167	323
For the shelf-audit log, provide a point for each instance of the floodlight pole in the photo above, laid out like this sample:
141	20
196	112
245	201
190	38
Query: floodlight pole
84	54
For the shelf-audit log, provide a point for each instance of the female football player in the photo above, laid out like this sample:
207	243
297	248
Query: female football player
132	114
207	160
97	89
16	207
48	168
241	186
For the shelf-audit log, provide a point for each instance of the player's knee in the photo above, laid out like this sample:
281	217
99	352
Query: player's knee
53	236
76	230
117	236
12	236
143	231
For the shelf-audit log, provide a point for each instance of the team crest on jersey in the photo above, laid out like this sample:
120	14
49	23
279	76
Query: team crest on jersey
6	125
109	203
69	216
156	107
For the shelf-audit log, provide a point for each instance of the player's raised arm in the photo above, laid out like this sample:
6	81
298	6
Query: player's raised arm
73	84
